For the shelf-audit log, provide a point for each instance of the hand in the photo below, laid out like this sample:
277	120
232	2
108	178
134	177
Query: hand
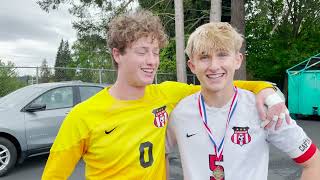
276	113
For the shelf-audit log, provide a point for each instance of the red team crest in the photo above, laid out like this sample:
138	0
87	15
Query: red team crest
160	116
241	135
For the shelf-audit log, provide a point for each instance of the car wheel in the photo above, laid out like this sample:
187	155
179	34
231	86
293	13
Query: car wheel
8	156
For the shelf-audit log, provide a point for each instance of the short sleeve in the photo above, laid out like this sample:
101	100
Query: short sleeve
175	91
69	146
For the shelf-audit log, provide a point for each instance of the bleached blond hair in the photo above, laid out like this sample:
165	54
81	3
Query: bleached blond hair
213	36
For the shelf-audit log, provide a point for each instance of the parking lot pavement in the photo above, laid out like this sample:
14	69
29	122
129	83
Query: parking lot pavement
281	167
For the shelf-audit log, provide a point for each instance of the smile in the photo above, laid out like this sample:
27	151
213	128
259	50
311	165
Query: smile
147	70
215	76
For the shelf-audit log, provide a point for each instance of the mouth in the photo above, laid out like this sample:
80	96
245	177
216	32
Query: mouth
215	75
148	70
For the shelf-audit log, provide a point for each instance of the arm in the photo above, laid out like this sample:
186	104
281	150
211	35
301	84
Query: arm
263	90
61	164
253	86
311	168
292	140
68	148
175	91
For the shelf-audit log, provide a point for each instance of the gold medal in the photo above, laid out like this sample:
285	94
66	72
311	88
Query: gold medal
218	173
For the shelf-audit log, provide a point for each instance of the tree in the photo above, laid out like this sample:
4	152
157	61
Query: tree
63	60
280	34
9	79
215	11
238	21
45	73
179	23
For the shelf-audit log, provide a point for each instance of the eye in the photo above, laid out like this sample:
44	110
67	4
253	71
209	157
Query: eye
204	57
222	54
140	51
156	53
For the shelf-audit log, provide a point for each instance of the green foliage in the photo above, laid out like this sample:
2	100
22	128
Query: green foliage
63	60
168	58
292	41
196	13
90	52
295	31
8	78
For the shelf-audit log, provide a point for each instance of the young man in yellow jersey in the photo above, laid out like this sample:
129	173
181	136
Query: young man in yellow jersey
120	132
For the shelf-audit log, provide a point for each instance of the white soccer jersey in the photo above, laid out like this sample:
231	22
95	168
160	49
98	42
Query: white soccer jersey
246	149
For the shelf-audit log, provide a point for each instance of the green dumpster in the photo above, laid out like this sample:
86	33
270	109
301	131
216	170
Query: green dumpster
304	87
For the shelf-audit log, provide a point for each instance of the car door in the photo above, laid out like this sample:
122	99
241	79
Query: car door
86	92
42	126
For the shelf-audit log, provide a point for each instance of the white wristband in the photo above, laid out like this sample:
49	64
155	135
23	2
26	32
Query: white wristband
273	99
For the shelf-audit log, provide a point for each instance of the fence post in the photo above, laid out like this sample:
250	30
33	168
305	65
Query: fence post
37	75
100	76
156	78
194	79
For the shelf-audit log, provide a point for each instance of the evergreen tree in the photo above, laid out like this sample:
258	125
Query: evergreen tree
63	61
59	73
45	73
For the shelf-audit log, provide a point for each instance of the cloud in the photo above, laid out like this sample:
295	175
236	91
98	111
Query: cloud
29	34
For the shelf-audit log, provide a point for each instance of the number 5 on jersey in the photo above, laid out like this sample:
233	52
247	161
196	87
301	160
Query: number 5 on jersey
217	170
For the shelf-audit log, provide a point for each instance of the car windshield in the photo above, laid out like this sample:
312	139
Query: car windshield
15	97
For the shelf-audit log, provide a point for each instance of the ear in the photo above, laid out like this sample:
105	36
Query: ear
239	59
191	66
116	55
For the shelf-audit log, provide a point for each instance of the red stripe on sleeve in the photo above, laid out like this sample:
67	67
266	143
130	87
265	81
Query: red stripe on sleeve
307	155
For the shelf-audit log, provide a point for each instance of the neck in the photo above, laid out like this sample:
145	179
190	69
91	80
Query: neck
217	99
124	91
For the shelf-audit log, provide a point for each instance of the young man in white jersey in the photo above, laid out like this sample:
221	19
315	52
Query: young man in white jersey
218	129
120	132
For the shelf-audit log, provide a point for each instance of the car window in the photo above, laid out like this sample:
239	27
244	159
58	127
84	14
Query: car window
18	96
56	98
88	91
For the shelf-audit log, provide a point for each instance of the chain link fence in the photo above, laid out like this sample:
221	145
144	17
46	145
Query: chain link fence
12	78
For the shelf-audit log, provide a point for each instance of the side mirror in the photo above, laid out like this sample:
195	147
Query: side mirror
35	107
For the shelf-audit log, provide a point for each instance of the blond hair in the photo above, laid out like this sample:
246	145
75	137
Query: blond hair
213	36
127	28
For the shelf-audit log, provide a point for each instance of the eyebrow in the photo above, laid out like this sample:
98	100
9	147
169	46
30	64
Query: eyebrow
146	48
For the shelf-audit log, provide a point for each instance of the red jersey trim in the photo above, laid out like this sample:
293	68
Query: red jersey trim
307	155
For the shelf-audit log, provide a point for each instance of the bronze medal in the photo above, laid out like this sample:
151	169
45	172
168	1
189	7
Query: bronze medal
218	174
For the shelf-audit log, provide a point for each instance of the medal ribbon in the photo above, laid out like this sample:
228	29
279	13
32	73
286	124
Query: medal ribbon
203	114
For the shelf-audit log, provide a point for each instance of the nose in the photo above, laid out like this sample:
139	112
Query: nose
152	59
214	64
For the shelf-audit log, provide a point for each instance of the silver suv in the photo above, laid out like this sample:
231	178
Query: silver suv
30	118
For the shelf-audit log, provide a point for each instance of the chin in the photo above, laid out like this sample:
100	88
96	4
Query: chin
214	87
147	82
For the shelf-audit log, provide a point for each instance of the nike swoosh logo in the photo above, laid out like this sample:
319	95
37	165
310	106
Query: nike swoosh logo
189	135
108	132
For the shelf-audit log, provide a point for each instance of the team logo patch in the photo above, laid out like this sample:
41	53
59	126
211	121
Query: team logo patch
241	135
160	116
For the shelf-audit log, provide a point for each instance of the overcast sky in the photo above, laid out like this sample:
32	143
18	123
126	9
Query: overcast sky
29	34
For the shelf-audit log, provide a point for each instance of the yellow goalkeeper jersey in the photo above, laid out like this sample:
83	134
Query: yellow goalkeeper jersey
120	140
